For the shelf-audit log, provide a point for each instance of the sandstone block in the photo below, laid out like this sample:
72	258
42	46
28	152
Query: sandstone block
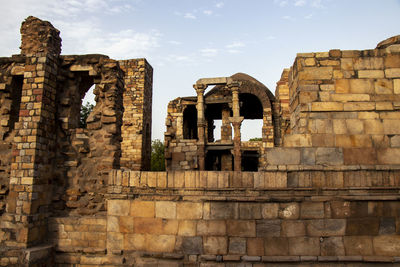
142	209
359	106
368	63
373	127
304	246
326	106
332	246
361	86
241	228
249	211
293	228
267	228
308	156
297	140
166	209
134	242
211	228
386	245
358	245
346	63
283	156
342	86
237	245
316	73
118	207
326	227
359	156
362	226
391	126
312	210
187	228
371	74
387	226
329	156
349	97
160	243
384	86
396	86
224	210
269	210
192	245
255	246
388	156
126	224
189	210
392	73
114	241
215	245
276	246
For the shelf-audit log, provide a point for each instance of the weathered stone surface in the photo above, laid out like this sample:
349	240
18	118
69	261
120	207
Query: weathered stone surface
289	211
215	245
192	245
362	226
269	210
386	245
224	210
304	246
291	228
276	246
332	246
312	210
166	209
358	245
237	245
189	210
242	228
142	209
326	227
267	228
211	228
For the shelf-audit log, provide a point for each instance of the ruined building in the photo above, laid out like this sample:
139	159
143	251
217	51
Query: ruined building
320	188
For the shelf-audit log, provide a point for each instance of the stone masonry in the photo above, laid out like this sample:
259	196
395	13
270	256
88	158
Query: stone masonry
321	187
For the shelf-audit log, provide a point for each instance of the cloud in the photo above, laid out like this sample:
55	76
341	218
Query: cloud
173	42
208	12
300	3
209	52
281	3
189	16
288	18
236	45
219	4
271	37
317	4
126	43
309	16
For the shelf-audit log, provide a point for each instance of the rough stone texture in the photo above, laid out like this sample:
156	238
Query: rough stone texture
319	188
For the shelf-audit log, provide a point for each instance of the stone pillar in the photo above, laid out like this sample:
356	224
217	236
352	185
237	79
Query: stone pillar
226	129
236	121
201	125
136	122
33	151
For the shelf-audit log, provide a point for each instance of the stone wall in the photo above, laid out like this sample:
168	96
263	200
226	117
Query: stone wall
346	98
313	217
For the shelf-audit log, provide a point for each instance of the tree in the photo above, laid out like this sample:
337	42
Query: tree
157	155
84	114
255	139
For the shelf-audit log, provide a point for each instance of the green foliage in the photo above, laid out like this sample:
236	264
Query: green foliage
255	139
84	114
157	155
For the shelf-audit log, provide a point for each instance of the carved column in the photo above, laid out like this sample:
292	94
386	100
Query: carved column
201	125
236	121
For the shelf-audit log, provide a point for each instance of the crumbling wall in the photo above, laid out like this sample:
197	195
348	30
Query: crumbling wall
85	156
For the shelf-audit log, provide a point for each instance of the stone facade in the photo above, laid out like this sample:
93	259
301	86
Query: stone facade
320	188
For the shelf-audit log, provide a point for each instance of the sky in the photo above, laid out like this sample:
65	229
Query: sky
185	40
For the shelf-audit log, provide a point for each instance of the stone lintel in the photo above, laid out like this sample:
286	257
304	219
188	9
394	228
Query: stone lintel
214	81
